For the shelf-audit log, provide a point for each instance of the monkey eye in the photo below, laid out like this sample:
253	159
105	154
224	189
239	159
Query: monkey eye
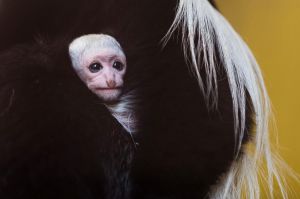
95	67
118	65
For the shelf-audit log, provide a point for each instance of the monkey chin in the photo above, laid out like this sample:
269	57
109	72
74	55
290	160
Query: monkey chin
109	95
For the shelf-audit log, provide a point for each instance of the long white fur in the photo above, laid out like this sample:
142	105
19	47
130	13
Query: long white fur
199	19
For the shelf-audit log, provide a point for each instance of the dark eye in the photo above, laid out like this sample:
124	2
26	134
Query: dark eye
95	67
118	65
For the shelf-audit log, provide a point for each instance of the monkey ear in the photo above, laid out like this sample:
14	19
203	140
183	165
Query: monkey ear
209	40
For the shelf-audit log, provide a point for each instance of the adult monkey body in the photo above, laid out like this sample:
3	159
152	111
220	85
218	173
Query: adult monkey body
186	145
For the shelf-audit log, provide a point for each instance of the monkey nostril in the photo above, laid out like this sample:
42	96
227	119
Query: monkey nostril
111	83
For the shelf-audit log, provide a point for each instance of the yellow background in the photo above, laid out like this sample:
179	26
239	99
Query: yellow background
272	30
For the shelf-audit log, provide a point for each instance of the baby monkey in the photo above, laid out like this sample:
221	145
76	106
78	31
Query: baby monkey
100	63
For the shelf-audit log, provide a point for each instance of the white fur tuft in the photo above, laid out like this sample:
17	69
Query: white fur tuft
124	112
205	33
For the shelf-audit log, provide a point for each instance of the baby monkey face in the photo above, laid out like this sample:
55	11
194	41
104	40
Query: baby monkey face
103	72
101	65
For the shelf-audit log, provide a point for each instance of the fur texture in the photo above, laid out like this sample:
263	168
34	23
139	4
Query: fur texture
205	33
192	142
57	140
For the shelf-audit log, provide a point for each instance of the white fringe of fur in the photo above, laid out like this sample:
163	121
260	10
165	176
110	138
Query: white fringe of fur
198	19
124	112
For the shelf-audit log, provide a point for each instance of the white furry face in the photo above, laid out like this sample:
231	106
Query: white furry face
100	63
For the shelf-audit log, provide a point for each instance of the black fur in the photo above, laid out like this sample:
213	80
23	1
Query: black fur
59	141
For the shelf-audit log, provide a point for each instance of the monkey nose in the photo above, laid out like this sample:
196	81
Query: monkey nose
111	83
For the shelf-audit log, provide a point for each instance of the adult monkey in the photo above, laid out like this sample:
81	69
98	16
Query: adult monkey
188	139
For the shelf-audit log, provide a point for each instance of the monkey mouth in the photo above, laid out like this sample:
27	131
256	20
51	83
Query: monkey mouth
106	88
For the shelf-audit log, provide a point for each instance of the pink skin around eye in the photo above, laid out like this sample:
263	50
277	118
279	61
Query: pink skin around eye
106	83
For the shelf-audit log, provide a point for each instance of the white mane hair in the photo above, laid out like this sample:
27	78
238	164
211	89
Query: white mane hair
205	32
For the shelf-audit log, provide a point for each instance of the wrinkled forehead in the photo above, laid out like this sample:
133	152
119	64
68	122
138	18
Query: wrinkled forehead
103	56
89	46
101	51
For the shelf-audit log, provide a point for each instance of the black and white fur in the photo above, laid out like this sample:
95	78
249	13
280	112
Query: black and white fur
193	142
